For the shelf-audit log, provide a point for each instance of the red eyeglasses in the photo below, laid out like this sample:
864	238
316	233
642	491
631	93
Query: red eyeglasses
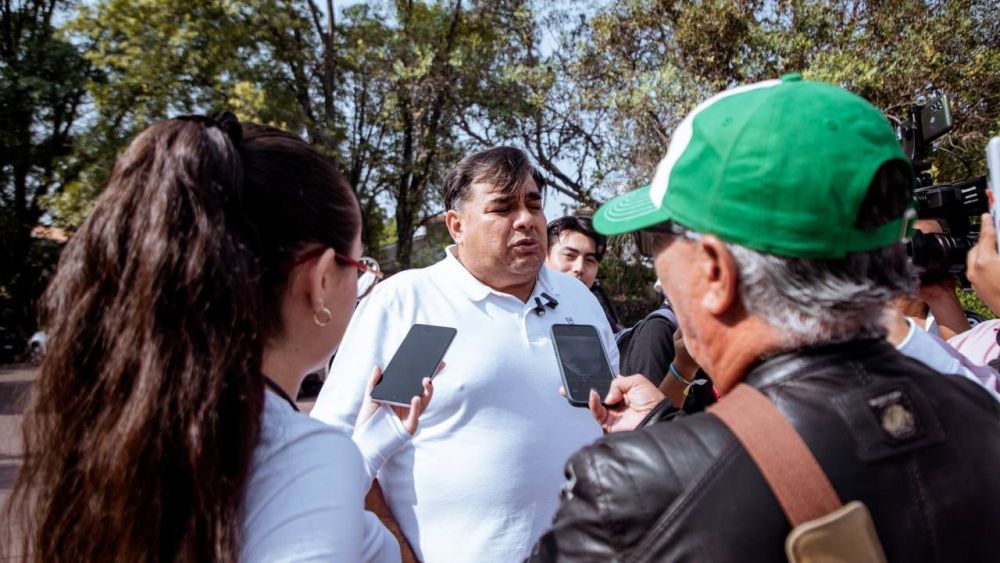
369	272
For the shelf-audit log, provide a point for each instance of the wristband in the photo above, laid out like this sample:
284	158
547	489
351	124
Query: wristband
677	375
687	384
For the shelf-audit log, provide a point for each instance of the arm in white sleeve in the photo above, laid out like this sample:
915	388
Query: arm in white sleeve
378	438
611	349
608	340
379	543
606	332
937	354
370	341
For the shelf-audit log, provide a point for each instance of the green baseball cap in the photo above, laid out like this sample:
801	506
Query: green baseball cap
780	166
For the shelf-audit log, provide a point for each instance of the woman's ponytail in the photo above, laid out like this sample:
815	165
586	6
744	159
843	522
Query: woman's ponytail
147	410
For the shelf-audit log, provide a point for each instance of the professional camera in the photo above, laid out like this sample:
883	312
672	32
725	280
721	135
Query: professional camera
937	255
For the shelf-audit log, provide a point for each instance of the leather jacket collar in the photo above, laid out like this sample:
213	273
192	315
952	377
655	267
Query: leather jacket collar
787	365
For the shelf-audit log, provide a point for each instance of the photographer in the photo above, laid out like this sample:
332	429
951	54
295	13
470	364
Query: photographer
935	308
780	209
980	345
983	265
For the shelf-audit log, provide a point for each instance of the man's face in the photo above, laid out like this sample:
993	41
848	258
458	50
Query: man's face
576	254
672	260
501	236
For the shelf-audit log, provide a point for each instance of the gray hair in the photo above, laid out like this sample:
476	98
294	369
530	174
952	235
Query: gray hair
810	300
818	300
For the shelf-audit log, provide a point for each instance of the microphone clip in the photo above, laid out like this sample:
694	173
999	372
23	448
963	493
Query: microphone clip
539	308
550	302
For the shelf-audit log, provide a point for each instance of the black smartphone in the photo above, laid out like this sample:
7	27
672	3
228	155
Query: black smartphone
416	358
582	362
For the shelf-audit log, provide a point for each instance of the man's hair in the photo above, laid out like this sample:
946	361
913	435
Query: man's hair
504	167
582	225
816	300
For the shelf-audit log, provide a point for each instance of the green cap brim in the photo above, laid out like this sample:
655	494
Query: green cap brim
629	212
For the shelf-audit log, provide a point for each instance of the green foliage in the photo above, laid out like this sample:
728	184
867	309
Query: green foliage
624	272
42	88
652	61
971	302
398	91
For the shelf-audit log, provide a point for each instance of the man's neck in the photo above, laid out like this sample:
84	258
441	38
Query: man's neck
739	351
521	290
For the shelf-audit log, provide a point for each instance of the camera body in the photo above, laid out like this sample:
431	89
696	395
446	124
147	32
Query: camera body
937	255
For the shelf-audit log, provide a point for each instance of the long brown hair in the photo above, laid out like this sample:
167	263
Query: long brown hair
139	438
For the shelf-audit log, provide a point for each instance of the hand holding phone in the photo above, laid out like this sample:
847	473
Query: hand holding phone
416	358
408	416
582	362
630	400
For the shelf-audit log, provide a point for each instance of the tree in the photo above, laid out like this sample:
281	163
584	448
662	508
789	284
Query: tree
42	88
527	96
652	61
160	59
378	87
649	62
415	75
397	91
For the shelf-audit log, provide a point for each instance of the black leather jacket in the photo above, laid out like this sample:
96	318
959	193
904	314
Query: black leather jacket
686	490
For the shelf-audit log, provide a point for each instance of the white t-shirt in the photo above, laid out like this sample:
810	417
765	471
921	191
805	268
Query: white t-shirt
305	500
480	479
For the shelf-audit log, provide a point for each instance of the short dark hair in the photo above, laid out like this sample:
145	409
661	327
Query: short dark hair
506	167
582	225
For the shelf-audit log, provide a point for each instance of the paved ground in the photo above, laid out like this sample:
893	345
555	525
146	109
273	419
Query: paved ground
15	385
15	382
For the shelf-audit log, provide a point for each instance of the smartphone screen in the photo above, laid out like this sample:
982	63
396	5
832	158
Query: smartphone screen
582	361
416	358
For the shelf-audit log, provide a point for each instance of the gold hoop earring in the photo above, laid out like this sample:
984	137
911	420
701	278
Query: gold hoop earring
325	313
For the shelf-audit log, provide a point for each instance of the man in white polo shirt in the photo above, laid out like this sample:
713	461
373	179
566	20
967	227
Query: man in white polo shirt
479	481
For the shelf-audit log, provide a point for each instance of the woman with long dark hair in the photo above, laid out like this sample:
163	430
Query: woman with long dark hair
219	267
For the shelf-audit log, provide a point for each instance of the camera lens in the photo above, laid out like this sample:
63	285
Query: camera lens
936	255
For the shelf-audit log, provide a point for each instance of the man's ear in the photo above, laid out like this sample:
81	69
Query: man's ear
320	279
453	220
719	274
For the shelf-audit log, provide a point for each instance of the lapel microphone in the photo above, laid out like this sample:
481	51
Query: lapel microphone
549	302
539	308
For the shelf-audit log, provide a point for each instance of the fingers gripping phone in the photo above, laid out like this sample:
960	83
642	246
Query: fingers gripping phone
582	362
417	357
993	163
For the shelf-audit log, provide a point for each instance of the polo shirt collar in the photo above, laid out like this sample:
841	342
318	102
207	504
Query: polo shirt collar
477	290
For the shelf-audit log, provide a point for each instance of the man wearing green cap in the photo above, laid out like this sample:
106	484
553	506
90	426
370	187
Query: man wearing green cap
776	223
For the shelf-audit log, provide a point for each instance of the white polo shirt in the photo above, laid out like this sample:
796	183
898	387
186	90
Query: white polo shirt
480	479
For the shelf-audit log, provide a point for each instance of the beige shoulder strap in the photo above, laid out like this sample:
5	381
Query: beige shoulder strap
802	488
